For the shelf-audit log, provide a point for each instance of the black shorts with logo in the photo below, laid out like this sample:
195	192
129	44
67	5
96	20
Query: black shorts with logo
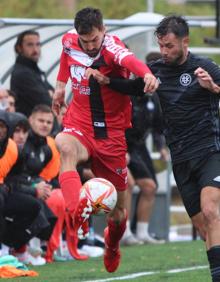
141	164
193	175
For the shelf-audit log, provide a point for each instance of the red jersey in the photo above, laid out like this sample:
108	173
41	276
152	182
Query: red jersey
97	109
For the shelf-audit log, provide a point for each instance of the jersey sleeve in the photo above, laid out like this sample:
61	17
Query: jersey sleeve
128	86
135	66
63	74
125	58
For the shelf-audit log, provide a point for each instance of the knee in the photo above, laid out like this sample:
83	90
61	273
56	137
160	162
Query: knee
65	147
33	210
148	188
210	212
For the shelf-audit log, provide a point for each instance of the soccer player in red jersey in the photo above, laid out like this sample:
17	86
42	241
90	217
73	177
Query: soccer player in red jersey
95	121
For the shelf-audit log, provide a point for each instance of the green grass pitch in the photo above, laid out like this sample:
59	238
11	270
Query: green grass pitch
166	262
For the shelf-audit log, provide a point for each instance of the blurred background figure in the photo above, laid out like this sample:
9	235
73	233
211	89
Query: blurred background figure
11	101
7	100
4	104
18	211
28	81
146	119
34	170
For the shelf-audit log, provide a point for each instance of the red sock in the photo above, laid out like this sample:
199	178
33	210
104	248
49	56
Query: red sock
115	232
70	184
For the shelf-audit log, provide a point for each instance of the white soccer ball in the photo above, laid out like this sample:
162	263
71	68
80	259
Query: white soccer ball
101	193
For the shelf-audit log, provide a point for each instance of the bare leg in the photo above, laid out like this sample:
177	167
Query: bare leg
129	238
146	200
210	199
210	202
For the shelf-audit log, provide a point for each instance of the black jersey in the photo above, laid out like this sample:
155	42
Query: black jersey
190	112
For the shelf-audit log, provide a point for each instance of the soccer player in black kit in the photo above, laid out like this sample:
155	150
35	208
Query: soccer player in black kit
189	94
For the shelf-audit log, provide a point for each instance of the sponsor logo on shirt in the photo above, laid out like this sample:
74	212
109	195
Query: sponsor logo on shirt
99	124
77	72
217	178
84	90
118	51
72	130
185	79
78	76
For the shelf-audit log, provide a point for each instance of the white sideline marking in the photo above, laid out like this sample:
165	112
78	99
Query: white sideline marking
135	275
186	269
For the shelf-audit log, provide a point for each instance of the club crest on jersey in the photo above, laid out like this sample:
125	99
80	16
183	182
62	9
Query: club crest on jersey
67	43
185	79
121	170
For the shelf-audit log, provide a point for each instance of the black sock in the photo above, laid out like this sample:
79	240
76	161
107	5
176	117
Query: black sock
214	263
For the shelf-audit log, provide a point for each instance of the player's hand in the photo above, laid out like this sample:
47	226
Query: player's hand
164	154
151	83
43	190
58	100
101	78
206	81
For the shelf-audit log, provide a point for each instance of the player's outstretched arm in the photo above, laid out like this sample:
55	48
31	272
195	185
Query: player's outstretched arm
124	86
140	69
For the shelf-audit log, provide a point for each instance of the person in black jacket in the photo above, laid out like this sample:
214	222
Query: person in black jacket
28	81
36	172
34	155
18	211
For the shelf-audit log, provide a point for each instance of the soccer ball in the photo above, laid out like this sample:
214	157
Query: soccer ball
101	193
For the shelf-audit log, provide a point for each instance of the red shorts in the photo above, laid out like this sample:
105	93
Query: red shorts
107	156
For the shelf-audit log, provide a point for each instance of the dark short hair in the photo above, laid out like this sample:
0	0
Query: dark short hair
21	36
172	24
153	56
42	108
17	120
12	94
88	18
23	124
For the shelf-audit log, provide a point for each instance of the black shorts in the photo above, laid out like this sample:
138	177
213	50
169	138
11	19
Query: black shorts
193	175
141	164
